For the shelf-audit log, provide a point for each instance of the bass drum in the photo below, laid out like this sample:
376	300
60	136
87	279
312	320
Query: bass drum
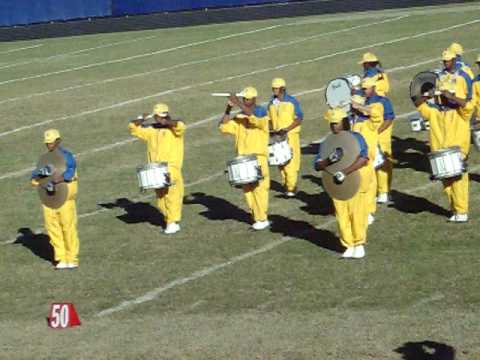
423	84
339	90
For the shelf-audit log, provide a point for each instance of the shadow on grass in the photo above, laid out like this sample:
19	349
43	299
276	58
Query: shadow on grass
475	177
416	160
316	204
305	231
426	350
218	208
136	212
277	187
310	149
413	204
38	244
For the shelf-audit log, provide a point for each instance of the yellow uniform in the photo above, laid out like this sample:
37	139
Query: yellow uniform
61	223
352	214
282	114
476	96
368	126
251	137
447	129
165	144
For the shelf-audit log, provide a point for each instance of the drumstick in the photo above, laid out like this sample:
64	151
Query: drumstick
225	94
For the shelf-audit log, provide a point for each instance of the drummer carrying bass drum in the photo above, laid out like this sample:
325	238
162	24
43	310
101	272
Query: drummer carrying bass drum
251	132
285	118
165	144
449	126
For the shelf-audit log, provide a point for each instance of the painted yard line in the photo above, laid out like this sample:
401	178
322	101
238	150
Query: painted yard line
155	293
196	62
26	171
238	76
20	49
48	58
139	56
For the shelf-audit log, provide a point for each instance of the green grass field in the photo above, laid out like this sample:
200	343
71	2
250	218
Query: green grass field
217	290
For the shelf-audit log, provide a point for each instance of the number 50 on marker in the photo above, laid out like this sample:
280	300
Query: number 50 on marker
62	316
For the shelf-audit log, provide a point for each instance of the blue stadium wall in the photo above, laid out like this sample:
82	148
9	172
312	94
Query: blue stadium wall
23	12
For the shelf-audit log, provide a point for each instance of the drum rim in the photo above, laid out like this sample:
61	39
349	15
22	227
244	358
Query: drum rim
449	150
153	165
422	72
242	159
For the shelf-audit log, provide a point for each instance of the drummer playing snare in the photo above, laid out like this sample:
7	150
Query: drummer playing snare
250	130
285	120
164	140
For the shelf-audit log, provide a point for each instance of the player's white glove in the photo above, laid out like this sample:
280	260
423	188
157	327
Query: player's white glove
336	155
339	177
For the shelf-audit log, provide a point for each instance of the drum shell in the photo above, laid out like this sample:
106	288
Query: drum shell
339	91
243	170
153	176
446	163
279	153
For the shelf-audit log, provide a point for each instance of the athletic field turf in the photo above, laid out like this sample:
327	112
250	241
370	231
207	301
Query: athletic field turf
217	290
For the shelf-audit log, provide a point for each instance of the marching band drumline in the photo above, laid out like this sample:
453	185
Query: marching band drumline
356	158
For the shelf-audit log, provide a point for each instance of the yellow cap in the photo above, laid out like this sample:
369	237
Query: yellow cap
358	99
50	136
335	115
278	83
456	48
368	57
368	83
160	110
448	55
249	93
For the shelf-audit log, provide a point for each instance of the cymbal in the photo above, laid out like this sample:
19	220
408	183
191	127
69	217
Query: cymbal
343	191
59	196
347	142
56	199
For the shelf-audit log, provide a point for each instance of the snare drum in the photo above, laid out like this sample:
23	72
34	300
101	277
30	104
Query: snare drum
379	158
153	176
476	138
243	170
279	151
339	90
446	163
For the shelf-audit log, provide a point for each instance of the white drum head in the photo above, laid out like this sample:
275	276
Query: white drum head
338	93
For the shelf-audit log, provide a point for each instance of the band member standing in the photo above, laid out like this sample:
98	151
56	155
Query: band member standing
285	118
351	214
449	127
373	69
250	129
476	91
369	118
165	144
61	223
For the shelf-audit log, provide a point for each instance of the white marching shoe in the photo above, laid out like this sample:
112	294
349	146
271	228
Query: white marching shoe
289	194
371	219
382	198
359	252
260	225
458	218
61	265
348	253
72	266
172	228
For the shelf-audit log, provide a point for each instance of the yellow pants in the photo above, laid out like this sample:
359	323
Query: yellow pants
384	174
290	171
61	226
256	194
371	195
457	193
170	199
352	218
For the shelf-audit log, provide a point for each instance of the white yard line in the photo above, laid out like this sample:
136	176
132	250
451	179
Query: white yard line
155	293
20	49
140	56
195	62
238	76
76	52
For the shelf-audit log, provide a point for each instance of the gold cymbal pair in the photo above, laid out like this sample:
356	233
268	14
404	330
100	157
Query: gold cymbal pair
57	198
346	141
